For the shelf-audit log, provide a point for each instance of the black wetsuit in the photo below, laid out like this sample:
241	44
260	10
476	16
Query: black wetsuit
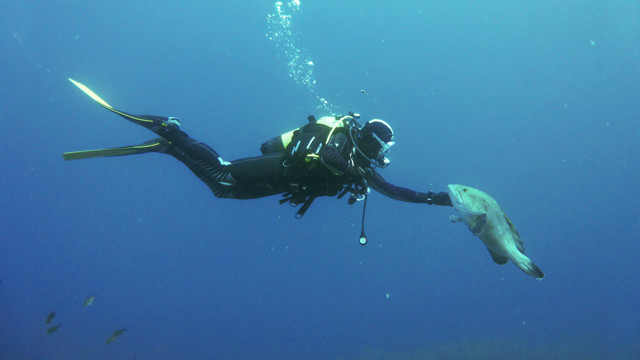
269	174
247	178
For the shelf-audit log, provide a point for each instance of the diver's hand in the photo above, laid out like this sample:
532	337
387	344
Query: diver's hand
359	182
441	198
431	198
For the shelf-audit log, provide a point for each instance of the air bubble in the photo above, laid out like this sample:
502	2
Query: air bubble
299	66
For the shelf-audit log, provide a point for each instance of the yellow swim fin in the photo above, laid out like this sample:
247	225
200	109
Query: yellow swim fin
99	100
91	94
155	145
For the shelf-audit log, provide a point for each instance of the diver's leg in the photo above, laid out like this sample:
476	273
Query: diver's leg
242	179
258	176
248	178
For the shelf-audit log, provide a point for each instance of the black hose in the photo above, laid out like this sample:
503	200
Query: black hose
363	237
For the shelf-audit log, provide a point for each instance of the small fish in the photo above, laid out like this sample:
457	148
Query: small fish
115	335
50	317
89	301
53	329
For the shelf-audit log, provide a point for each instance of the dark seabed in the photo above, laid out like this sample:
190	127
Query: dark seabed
536	103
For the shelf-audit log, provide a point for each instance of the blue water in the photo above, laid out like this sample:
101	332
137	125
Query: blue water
535	103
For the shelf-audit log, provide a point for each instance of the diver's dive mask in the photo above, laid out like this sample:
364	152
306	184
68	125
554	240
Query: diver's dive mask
373	141
381	159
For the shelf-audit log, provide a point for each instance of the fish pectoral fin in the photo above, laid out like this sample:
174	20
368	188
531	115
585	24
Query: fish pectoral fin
516	234
498	259
454	218
466	211
478	224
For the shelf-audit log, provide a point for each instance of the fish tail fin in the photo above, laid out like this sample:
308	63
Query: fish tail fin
531	269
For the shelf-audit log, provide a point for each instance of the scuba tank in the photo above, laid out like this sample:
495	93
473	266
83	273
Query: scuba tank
310	179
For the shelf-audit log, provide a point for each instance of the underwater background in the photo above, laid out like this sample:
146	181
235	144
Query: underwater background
535	103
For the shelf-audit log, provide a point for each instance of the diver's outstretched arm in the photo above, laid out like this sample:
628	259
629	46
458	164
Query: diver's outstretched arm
379	184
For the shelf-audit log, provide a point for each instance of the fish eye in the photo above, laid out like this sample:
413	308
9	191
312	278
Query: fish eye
464	189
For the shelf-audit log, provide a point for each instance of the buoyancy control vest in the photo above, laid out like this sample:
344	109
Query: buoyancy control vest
308	177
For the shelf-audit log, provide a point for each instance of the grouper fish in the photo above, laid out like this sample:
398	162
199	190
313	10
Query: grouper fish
484	217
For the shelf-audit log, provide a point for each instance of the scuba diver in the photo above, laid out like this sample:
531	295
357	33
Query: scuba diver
330	156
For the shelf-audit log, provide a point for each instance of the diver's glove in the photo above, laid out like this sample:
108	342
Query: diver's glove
441	198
